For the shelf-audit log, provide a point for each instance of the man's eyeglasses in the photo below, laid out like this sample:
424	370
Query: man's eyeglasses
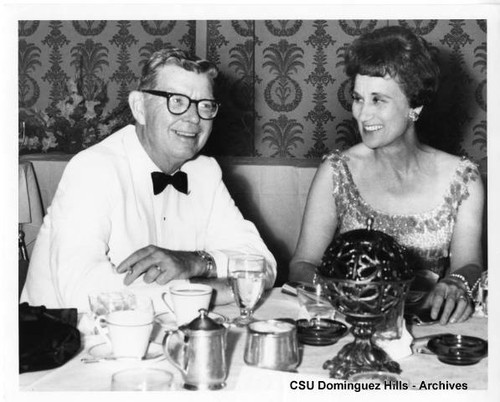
179	104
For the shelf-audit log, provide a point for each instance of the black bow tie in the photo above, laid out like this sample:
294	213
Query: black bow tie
162	180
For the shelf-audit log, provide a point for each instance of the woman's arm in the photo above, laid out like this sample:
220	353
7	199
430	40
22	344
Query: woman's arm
318	226
466	260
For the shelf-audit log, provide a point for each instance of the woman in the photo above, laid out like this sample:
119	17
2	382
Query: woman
428	200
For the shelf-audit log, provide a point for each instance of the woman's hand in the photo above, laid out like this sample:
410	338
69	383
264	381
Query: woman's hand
451	298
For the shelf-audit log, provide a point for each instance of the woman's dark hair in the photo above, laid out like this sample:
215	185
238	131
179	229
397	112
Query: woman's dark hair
398	52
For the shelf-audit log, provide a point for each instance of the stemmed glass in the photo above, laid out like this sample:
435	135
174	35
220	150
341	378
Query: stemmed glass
247	277
481	296
314	299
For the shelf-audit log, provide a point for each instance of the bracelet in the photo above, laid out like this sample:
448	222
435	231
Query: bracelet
210	268
468	289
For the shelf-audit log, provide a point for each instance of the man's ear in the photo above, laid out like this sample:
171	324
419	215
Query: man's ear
136	103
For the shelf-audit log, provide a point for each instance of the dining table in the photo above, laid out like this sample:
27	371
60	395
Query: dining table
422	371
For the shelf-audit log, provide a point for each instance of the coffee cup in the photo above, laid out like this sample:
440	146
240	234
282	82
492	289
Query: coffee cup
185	300
128	331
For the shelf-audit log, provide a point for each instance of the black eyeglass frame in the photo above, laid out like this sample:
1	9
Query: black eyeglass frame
168	95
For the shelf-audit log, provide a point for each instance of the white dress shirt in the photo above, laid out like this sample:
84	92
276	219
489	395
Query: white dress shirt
104	209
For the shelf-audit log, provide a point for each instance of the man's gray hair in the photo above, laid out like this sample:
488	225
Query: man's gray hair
177	57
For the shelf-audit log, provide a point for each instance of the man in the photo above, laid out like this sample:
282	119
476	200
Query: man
116	217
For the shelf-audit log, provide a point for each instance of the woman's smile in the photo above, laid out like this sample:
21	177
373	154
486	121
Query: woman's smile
372	128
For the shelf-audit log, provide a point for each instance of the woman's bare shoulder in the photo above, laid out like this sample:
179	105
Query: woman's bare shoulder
357	157
443	162
357	151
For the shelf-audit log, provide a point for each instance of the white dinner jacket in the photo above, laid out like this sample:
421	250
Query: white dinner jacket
104	209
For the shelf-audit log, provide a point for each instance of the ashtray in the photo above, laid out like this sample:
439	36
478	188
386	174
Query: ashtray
460	350
320	332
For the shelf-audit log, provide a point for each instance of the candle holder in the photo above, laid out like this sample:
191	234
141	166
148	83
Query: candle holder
367	274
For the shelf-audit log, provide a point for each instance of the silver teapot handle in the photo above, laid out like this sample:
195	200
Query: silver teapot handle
166	350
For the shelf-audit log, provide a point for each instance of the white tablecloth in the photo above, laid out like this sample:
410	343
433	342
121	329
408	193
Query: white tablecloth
77	376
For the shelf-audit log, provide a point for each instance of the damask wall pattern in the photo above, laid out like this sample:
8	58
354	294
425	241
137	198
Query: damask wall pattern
282	84
75	76
301	94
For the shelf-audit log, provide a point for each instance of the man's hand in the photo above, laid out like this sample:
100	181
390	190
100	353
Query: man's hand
160	265
452	299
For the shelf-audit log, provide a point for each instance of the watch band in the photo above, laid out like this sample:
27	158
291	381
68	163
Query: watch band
210	267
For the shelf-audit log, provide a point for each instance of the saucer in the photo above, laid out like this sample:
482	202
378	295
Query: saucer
167	320
321	332
102	351
460	350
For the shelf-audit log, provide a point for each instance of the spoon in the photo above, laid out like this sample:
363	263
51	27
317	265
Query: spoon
105	358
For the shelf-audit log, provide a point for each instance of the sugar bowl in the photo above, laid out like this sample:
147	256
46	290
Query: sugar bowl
272	344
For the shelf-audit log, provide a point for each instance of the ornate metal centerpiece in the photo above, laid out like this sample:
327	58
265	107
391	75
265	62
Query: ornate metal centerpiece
367	274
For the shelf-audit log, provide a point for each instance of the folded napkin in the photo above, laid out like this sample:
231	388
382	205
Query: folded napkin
397	348
85	324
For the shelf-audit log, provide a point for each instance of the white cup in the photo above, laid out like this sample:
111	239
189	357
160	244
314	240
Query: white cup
185	300
128	331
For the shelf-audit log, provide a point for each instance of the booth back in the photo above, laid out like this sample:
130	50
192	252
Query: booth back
271	193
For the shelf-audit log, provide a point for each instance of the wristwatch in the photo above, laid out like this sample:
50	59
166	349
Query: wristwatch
210	268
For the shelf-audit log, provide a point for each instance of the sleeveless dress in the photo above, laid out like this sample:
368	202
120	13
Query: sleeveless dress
427	235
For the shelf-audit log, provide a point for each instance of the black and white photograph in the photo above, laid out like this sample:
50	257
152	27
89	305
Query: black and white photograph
265	201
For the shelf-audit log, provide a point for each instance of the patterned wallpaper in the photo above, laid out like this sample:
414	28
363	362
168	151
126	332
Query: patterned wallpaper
282	86
75	76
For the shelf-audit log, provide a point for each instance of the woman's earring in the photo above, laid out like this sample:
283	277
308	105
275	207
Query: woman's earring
413	115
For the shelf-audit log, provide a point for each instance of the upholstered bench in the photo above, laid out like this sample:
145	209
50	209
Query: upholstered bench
270	192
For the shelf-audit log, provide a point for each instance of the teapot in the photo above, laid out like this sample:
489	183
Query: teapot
198	351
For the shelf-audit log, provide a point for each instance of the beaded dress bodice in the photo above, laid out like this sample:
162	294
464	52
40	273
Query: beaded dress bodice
426	235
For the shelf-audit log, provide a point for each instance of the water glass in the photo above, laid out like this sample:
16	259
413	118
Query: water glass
482	296
142	379
247	277
314	299
392	324
103	303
